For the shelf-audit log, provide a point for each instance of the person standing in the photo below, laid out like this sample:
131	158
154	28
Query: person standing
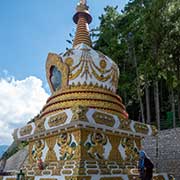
145	166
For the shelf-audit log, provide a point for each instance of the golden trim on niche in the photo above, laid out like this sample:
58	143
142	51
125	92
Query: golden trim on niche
56	60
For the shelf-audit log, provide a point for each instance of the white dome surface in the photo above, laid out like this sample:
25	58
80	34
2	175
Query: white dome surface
90	67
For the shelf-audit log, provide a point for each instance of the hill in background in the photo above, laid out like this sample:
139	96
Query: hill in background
3	149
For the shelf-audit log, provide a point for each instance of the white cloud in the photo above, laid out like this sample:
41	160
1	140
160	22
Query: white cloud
20	100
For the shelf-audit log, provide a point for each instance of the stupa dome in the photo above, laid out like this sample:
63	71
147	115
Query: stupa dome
85	66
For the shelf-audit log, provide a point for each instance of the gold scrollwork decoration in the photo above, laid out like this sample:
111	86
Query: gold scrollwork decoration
37	151
26	130
131	150
96	145
67	146
86	67
141	128
79	113
57	119
39	126
125	124
105	119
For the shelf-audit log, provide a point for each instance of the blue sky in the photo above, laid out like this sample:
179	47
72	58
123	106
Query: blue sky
29	30
32	28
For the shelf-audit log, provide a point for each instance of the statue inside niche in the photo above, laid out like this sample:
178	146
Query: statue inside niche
56	78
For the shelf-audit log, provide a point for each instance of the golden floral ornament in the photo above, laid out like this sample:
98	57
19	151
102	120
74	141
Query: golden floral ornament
98	146
125	124
69	61
56	72
65	147
128	149
79	113
39	126
86	65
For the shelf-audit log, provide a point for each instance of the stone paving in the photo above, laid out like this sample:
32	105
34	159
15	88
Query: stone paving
164	150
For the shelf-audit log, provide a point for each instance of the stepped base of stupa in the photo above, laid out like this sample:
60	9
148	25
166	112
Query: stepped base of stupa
86	149
89	171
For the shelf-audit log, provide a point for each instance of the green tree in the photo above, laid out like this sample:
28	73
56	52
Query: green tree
148	62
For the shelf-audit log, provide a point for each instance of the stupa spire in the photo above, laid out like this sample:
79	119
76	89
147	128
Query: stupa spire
82	18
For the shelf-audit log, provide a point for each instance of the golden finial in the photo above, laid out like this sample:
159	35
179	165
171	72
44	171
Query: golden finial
83	2
82	18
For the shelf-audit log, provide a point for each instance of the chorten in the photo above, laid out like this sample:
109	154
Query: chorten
83	131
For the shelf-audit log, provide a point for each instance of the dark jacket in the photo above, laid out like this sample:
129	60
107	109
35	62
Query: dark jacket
148	169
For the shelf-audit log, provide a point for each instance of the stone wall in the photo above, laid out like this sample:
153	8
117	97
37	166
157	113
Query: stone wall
164	150
15	162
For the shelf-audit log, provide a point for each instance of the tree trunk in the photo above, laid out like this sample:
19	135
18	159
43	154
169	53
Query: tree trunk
179	105
178	88
157	106
148	115
141	106
173	108
138	88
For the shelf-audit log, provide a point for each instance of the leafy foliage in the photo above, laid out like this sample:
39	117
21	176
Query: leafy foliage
147	31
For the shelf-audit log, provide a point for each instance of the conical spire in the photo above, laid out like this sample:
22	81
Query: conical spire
82	18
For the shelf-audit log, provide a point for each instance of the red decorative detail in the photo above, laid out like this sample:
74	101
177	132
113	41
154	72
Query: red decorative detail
126	114
72	92
83	99
45	113
40	164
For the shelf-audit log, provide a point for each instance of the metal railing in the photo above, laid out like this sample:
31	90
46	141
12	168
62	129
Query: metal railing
168	124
